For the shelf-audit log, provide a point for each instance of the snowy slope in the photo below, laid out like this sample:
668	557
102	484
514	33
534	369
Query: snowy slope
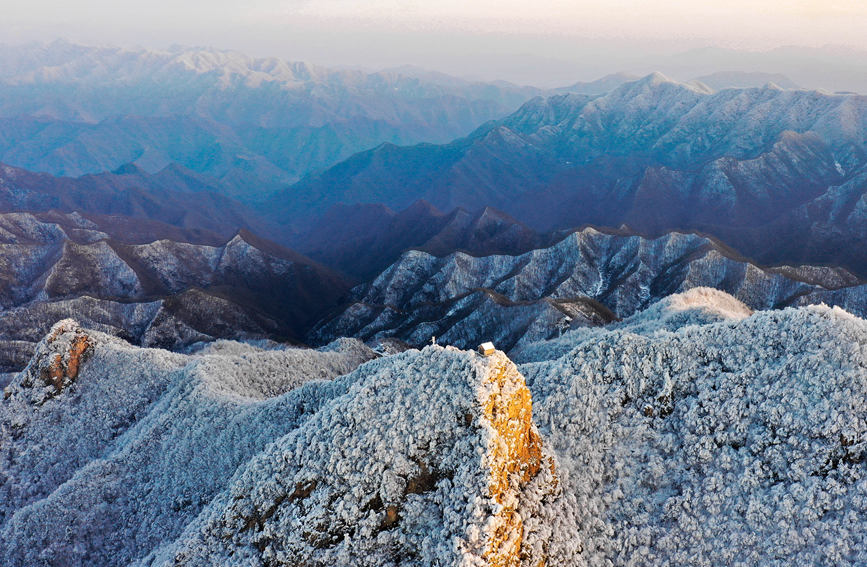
740	442
695	432
160	293
466	299
130	449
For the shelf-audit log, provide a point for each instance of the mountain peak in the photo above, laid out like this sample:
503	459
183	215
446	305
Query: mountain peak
655	78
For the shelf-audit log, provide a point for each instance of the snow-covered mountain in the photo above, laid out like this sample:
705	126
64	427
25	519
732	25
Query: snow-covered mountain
163	292
694	433
778	174
251	124
589	277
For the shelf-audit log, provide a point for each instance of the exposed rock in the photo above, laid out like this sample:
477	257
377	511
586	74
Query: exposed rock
56	363
514	457
670	437
143	438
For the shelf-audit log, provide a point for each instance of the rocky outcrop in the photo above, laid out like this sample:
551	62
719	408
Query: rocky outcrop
56	363
514	457
669	437
425	466
141	437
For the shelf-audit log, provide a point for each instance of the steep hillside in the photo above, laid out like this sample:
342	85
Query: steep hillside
160	293
759	168
692	434
589	277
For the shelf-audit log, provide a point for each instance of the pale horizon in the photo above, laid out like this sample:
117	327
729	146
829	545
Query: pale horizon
548	43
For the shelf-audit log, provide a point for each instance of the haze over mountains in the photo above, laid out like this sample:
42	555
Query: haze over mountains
219	275
778	174
251	124
195	140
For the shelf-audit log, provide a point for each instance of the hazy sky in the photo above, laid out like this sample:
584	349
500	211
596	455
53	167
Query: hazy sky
470	37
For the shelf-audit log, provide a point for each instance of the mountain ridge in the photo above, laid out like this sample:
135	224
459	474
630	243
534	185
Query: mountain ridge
220	457
159	293
653	154
589	277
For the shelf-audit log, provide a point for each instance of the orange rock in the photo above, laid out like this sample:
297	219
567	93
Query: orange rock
514	459
63	368
79	347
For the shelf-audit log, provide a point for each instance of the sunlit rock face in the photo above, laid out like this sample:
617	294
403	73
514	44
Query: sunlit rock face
431	457
670	437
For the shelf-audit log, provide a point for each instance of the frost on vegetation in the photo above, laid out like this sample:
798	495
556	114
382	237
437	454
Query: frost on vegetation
738	442
249	372
693	433
430	458
129	451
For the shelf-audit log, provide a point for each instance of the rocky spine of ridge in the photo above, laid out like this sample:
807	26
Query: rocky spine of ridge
590	277
514	457
433	459
696	432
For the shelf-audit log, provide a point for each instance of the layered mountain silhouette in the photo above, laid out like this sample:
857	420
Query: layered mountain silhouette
252	125
362	240
778	174
673	277
141	204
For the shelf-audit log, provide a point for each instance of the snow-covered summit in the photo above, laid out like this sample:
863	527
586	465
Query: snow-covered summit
733	438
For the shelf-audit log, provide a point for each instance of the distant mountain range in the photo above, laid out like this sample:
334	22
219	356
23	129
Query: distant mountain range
150	247
778	174
251	124
144	205
362	240
674	277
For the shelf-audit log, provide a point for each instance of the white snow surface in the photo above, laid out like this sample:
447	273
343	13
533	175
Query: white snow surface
696	432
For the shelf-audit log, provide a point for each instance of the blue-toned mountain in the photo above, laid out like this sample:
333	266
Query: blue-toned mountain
779	174
252	124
